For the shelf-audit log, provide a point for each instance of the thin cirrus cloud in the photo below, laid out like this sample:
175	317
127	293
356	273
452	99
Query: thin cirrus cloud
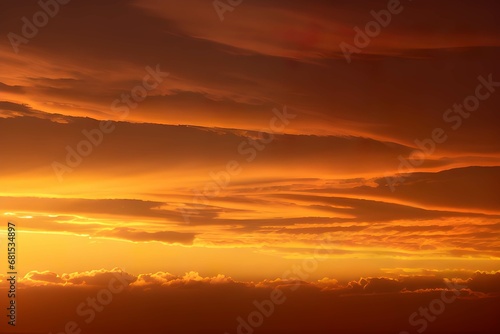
79	90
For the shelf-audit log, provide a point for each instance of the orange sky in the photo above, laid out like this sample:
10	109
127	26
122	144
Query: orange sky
255	145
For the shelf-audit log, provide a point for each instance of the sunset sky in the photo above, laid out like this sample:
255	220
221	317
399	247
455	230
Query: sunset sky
243	142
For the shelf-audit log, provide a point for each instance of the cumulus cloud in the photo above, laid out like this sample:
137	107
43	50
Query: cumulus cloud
34	278
482	282
96	278
173	299
188	279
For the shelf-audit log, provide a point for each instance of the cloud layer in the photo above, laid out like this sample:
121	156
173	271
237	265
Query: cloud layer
167	302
